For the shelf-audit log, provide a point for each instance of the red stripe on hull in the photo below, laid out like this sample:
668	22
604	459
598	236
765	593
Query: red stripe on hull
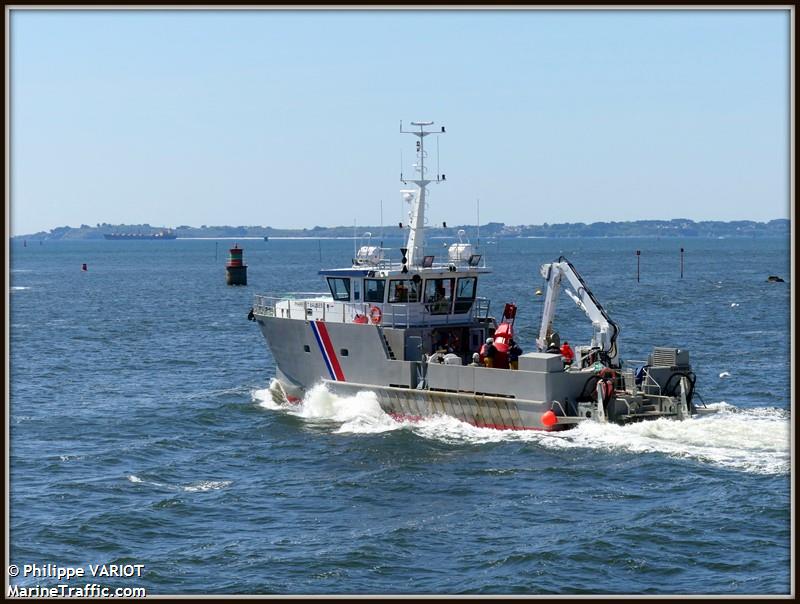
326	342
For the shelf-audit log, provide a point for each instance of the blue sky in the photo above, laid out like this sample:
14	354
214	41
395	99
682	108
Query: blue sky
291	118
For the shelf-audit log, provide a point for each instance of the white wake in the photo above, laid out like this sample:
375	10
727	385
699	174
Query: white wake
359	414
751	440
203	485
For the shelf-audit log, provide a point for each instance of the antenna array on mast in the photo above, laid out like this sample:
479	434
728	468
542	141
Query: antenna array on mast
416	235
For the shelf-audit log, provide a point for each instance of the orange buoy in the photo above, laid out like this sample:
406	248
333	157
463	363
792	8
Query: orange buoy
549	418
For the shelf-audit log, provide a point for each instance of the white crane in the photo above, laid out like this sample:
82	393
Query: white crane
605	331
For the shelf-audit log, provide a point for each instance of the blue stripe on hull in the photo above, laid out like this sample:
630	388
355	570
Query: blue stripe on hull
322	350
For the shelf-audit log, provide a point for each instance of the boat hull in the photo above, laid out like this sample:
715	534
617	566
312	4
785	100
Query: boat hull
540	395
405	404
349	358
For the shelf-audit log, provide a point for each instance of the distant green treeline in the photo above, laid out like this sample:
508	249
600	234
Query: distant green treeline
678	227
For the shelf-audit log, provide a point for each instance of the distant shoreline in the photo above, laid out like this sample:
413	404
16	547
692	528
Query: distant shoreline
484	240
674	228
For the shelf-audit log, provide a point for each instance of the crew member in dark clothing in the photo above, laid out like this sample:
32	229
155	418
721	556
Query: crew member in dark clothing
489	352
553	339
513	354
443	343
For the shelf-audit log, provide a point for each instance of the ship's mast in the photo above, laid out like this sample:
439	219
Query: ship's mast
416	234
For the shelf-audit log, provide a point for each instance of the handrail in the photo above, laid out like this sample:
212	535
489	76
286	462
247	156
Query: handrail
648	381
393	314
396	264
627	404
651	381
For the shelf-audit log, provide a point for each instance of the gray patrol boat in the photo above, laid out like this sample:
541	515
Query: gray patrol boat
408	329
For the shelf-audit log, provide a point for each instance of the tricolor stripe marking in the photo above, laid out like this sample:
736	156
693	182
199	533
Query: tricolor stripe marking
326	348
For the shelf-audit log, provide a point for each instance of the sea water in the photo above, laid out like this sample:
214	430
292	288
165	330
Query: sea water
142	431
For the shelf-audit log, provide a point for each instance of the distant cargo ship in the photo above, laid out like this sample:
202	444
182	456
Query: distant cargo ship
139	236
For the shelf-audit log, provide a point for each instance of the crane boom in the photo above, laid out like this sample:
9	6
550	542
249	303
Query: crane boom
605	330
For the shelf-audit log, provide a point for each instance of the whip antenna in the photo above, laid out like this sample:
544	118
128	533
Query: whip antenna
478	210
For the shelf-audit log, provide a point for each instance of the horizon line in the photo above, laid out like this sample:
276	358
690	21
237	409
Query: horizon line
392	226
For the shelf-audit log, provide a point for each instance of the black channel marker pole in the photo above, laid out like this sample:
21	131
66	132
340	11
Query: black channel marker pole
638	255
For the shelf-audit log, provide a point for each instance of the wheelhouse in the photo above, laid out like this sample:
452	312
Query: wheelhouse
431	291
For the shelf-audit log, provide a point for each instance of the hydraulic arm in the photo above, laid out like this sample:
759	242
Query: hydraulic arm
605	331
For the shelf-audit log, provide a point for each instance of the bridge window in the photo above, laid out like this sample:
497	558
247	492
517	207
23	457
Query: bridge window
465	294
439	295
373	290
340	288
466	288
403	290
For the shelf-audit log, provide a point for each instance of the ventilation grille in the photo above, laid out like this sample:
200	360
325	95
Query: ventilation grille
665	357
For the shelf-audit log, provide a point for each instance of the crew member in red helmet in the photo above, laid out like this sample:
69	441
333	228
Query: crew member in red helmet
567	353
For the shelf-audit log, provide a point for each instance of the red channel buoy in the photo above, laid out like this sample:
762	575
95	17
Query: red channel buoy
236	269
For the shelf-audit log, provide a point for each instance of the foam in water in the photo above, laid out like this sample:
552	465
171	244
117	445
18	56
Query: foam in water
207	485
264	397
73	458
203	485
356	414
751	440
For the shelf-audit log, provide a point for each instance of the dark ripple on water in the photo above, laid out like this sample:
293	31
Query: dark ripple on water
136	437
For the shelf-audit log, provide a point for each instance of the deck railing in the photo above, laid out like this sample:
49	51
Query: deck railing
391	259
649	385
389	314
